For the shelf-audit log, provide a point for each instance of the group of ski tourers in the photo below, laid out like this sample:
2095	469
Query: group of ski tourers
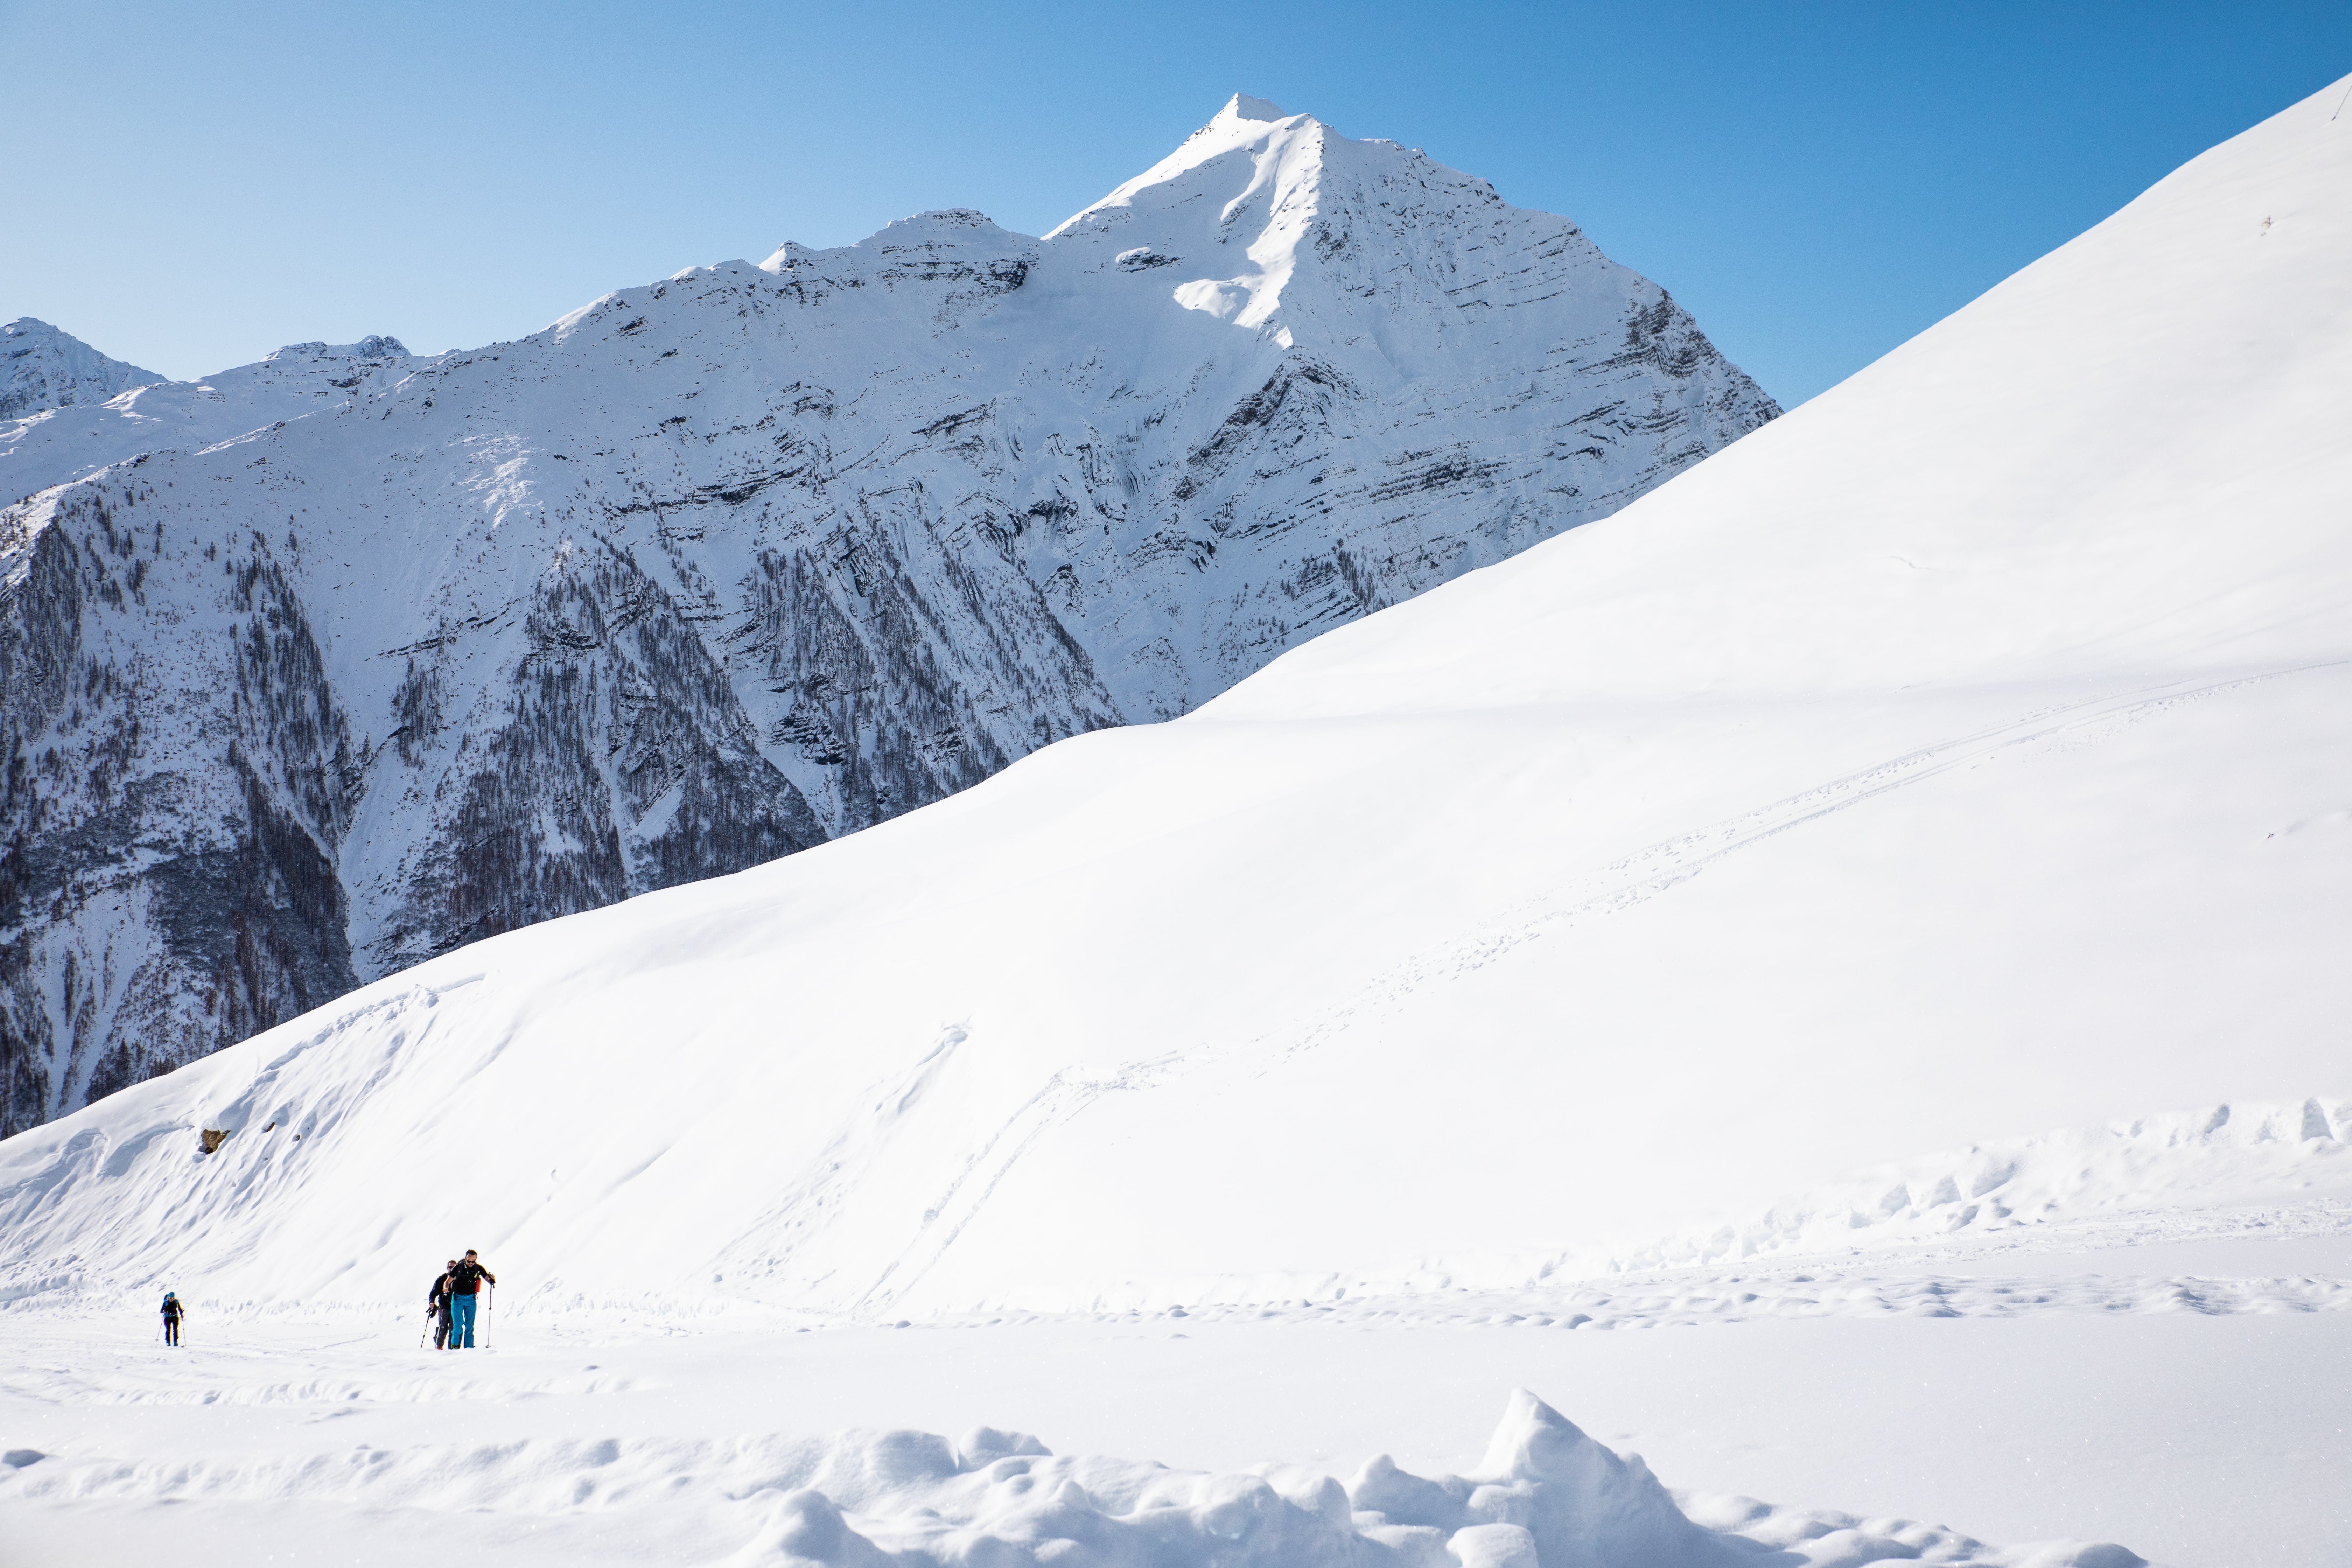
450	1302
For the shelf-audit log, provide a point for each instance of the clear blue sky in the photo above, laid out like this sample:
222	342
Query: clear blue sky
189	186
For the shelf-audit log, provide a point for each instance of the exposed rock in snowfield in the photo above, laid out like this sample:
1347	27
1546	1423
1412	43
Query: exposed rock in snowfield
718	568
41	367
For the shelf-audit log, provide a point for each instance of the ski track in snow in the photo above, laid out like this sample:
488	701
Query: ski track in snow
1659	867
1625	882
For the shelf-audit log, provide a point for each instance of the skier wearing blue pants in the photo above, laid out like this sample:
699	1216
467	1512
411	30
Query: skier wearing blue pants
464	1281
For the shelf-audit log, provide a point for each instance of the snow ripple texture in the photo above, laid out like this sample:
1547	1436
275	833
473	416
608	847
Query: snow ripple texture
352	657
1544	1496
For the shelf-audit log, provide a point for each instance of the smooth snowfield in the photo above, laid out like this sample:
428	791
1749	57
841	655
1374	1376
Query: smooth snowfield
1958	764
575	1440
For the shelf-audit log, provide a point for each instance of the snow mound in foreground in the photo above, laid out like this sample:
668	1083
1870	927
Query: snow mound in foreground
1544	1496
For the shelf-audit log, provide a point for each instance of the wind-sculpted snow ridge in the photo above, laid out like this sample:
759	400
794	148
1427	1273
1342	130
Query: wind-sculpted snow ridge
351	659
43	368
1544	1496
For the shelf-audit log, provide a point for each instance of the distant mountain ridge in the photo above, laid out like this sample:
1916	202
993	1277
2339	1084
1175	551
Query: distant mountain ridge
713	570
41	367
73	440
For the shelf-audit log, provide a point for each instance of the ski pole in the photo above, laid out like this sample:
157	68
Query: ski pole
488	1307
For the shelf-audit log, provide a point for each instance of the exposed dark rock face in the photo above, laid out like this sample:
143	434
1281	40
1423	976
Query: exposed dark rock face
716	569
170	877
618	760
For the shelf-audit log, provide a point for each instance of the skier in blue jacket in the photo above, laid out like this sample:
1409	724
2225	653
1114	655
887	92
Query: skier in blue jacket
465	1282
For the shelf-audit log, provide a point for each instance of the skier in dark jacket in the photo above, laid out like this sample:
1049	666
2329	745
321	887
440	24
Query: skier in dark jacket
171	1319
436	1302
465	1282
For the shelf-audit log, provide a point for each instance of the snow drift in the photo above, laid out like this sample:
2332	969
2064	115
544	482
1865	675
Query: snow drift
1959	758
1545	1494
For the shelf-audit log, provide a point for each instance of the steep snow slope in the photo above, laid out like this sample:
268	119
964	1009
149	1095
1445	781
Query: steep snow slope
42	368
716	569
68	442
1959	758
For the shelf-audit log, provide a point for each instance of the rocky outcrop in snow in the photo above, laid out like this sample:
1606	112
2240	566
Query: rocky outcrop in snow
41	367
424	649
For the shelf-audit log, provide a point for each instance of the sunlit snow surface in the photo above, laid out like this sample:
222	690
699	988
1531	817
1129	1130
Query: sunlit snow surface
2003	1391
1912	848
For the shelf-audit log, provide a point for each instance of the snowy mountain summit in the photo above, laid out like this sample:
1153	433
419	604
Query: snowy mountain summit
41	367
344	660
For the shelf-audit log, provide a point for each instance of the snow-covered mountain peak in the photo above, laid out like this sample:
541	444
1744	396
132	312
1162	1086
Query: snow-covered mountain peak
1233	142
840	534
373	346
959	246
1370	255
42	367
100	411
948	226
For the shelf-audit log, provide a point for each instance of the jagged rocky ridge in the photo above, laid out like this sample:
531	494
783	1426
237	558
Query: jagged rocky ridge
710	570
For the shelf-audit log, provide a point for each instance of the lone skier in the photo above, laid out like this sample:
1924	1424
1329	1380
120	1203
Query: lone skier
171	1319
466	1279
436	1303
